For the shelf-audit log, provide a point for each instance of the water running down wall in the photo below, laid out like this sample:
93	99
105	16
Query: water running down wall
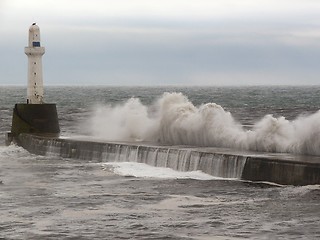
180	159
217	162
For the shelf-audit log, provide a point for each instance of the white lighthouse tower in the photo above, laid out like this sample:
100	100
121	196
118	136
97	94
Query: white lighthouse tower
34	52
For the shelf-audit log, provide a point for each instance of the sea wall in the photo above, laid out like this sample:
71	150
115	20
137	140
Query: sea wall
277	168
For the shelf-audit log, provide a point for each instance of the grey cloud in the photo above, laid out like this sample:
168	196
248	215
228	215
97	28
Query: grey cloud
166	51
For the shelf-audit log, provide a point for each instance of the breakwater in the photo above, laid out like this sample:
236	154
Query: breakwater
226	163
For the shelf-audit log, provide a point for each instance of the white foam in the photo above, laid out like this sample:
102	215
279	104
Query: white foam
173	119
141	170
299	191
11	149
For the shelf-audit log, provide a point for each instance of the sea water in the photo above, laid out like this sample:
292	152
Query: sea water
47	197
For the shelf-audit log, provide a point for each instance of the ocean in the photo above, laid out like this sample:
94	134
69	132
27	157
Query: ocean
49	197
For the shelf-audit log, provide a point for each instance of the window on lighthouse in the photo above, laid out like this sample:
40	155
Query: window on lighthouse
36	44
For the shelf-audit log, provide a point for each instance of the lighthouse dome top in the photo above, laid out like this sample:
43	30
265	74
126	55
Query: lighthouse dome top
34	35
34	27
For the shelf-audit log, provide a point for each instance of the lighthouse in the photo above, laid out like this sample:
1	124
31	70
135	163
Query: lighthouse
34	51
35	116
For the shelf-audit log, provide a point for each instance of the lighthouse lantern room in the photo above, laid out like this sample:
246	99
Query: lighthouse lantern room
34	51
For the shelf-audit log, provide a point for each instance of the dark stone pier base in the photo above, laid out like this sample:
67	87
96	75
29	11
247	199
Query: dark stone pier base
35	119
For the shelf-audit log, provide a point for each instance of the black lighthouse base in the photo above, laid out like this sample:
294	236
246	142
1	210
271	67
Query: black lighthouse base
39	119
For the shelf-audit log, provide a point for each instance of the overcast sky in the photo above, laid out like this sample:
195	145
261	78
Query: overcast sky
164	42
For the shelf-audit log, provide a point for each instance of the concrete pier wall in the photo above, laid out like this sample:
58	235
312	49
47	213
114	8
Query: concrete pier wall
277	168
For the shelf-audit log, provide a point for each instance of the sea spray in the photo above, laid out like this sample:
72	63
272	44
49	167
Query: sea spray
127	122
173	119
208	125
